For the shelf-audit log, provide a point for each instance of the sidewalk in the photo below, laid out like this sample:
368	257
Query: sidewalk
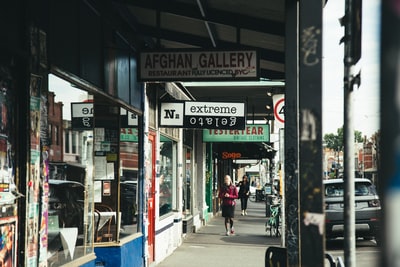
209	246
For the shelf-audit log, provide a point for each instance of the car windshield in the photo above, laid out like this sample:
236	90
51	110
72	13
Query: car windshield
361	189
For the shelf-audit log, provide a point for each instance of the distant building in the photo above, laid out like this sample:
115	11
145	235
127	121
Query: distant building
55	125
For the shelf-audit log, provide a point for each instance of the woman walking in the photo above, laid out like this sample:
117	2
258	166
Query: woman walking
244	192
228	194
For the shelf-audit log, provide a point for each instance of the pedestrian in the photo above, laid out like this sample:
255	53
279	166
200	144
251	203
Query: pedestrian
244	192
228	193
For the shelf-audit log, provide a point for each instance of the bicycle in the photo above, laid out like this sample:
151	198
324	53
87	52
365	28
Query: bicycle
257	196
272	225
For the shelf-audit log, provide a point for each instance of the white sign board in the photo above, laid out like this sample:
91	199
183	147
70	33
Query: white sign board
172	114
82	116
203	115
279	111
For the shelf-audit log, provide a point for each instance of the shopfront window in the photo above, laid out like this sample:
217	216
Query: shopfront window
107	217
129	160
70	177
167	174
187	182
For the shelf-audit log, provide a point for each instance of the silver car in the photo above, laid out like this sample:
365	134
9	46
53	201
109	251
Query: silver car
367	209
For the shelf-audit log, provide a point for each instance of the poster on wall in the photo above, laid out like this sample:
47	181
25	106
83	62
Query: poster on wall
34	89
107	188
34	173
44	177
8	189
8	241
100	172
97	192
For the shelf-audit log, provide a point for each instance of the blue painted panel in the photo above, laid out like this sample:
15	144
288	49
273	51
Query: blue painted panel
127	255
89	264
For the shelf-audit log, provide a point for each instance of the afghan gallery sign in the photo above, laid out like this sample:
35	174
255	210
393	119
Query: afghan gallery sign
252	133
203	115
195	65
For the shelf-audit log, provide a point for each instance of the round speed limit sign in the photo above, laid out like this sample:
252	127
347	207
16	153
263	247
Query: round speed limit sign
279	110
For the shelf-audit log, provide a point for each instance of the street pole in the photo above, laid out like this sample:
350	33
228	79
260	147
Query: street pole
291	146
311	221
352	53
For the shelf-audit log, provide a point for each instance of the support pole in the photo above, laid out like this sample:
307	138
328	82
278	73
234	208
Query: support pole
312	221
291	135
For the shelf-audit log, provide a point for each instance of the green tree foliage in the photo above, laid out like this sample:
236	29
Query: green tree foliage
335	141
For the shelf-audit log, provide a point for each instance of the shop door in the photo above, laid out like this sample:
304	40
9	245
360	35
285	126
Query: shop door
151	196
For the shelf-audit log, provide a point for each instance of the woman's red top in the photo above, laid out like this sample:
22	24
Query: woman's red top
233	194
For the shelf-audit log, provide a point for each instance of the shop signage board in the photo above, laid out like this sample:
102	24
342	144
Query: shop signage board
252	133
203	115
82	116
129	135
195	65
128	119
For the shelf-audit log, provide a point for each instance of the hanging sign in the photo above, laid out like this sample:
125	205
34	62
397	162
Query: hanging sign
252	133
194	65
82	116
203	115
128	119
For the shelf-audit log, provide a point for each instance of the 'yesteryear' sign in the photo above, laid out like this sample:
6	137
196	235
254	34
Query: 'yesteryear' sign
194	65
203	115
252	133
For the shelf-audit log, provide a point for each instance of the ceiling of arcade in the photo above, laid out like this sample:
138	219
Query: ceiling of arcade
220	24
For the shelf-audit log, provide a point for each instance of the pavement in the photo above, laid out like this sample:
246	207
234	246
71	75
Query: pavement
210	246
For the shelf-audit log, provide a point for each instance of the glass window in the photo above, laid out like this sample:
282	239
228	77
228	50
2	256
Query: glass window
56	137
167	175
106	176
74	142
67	142
70	206
360	189
51	133
187	182
129	159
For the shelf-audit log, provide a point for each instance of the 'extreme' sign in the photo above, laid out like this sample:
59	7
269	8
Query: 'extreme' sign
203	115
189	65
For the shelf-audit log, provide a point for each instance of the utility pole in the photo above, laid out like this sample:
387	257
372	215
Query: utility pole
352	53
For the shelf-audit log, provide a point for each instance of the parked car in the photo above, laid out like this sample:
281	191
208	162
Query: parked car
66	200
367	209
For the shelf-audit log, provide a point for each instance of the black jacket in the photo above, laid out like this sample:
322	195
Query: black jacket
243	189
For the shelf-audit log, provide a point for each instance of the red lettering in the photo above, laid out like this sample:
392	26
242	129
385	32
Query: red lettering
231	155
